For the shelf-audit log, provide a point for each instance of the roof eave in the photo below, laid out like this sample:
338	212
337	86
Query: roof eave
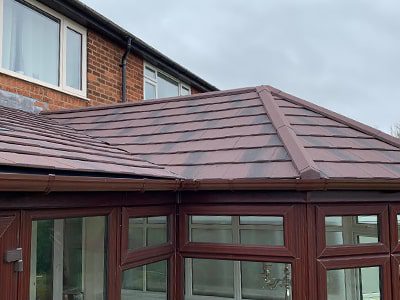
88	17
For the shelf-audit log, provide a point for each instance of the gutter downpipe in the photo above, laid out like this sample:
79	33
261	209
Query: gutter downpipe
123	66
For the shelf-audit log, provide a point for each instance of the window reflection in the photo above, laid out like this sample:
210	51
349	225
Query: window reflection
68	259
351	230
147	232
146	282
226	279
245	230
354	284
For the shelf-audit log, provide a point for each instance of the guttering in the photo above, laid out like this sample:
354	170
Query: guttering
56	183
123	67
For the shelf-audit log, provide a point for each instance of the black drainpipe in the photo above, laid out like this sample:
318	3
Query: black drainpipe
123	66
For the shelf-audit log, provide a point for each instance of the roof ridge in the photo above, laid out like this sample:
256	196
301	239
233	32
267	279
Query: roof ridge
380	135
300	158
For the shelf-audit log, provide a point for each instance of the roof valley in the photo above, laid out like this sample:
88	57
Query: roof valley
302	161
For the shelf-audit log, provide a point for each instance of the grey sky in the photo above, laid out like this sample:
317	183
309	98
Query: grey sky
341	54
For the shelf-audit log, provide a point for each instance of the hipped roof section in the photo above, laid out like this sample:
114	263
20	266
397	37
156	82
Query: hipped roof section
244	134
34	144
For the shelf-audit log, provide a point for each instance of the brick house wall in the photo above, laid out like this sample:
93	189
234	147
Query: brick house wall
103	79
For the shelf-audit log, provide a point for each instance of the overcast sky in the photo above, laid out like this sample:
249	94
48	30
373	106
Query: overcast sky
341	54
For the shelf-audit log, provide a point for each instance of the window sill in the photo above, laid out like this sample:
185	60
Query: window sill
28	79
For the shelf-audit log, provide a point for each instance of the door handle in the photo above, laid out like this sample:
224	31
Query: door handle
15	256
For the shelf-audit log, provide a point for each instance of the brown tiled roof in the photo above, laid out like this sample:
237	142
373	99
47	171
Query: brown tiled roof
30	142
251	133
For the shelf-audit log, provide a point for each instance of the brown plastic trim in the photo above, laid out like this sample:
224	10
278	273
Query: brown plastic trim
302	161
380	135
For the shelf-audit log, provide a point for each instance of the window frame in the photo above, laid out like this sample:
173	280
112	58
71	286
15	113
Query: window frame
132	257
65	23
394	236
382	261
288	249
154	82
111	217
324	250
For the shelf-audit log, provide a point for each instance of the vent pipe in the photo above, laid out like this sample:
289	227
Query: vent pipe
123	66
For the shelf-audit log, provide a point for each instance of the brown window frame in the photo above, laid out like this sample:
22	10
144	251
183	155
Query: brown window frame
139	257
112	228
289	227
382	261
134	256
324	250
394	236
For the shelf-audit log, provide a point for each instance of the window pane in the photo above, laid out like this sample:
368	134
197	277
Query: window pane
351	230
212	278
147	232
148	72
167	87
261	230
398	227
245	230
150	91
30	42
74	59
68	258
145	282
225	279
354	284
274	281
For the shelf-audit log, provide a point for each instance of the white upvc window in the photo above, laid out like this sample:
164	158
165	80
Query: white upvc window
158	84
42	46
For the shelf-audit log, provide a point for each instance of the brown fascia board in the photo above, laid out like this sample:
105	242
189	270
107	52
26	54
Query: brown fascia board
304	164
380	135
54	183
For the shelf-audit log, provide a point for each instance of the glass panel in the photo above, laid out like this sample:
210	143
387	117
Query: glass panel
261	230
150	90
225	279
145	282
68	259
264	280
354	284
148	72
74	59
147	232
212	278
398	227
351	230
167	87
30	42
245	230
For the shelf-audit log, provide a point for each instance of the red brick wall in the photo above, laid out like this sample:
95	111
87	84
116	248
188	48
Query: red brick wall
104	72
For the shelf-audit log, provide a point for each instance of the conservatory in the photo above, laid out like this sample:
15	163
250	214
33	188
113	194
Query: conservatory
246	194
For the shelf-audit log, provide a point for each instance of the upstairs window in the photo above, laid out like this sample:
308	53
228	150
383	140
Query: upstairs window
158	84
43	47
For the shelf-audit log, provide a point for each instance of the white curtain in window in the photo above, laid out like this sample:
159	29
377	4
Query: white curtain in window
30	42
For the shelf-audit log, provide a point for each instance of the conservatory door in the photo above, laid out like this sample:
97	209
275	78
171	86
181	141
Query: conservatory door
11	262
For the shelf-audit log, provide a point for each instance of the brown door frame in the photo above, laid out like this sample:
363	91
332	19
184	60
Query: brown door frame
10	229
113	217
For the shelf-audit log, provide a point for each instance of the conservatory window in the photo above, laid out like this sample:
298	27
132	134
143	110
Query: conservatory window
68	258
42	46
158	84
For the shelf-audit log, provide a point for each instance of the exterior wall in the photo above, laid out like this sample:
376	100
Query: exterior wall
103	76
